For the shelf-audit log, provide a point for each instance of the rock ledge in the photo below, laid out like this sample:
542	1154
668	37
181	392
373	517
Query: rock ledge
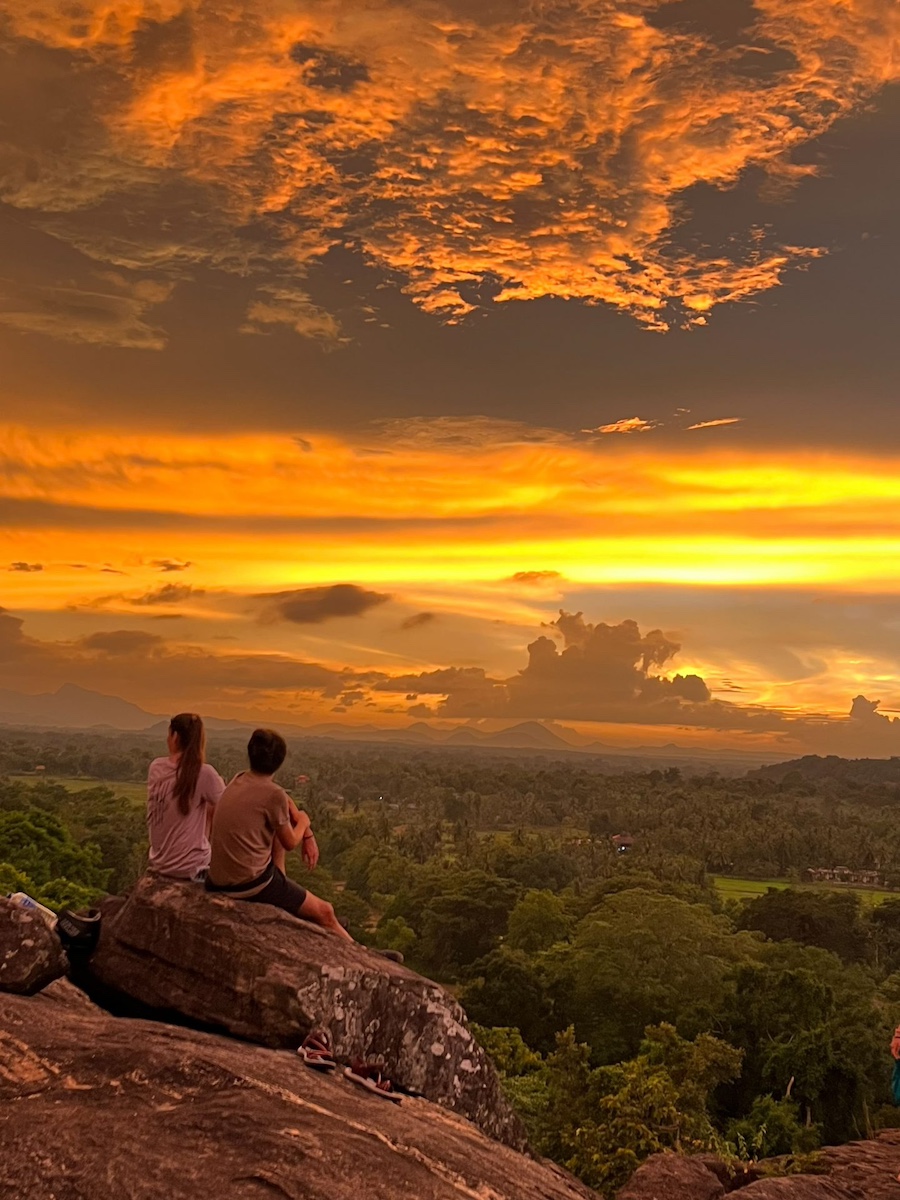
266	977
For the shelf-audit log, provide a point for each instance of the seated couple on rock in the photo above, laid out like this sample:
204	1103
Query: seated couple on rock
233	838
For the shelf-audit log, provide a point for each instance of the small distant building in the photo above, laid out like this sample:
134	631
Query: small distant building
300	780
844	875
622	843
37	770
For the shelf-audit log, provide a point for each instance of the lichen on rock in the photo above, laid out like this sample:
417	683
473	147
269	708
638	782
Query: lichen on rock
262	975
30	953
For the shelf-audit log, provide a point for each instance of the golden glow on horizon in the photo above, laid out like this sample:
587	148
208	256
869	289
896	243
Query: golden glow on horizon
412	511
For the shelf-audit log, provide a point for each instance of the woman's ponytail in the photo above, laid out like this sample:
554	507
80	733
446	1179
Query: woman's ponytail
192	743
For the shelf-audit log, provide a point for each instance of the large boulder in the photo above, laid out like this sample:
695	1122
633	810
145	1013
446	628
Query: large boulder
857	1171
262	975
867	1170
31	955
96	1107
672	1177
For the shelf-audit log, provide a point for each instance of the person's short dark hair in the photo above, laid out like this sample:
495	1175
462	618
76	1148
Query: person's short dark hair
266	750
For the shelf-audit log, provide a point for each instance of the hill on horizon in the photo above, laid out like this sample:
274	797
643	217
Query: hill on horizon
72	707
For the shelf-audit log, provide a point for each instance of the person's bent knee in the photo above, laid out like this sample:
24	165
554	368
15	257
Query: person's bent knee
314	909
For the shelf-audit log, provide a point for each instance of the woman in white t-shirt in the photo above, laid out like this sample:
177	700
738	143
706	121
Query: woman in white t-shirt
182	791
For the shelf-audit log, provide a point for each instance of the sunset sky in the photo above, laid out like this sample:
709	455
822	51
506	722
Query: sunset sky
498	360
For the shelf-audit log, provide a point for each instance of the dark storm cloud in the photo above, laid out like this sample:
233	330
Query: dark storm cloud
312	606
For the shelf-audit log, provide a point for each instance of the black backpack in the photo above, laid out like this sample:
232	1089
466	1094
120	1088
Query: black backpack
78	931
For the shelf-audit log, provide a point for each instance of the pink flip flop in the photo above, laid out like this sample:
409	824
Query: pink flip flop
371	1076
316	1051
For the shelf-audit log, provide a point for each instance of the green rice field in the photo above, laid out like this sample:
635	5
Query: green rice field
748	889
136	792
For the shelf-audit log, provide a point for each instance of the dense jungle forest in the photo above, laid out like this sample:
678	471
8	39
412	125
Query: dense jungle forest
628	1002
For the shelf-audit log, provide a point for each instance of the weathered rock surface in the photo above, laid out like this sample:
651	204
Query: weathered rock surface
30	953
95	1107
672	1177
262	975
857	1171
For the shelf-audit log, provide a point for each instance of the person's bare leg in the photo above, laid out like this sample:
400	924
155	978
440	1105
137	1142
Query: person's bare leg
320	912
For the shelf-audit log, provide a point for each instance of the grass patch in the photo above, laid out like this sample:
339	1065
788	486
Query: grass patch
135	792
748	889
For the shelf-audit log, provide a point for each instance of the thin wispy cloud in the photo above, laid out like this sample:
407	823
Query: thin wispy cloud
713	424
107	309
417	620
535	578
626	425
168	565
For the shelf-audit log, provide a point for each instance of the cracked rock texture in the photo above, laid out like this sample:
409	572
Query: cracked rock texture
857	1171
30	953
264	976
96	1107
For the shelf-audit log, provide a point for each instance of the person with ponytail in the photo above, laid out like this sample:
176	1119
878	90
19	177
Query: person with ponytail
182	791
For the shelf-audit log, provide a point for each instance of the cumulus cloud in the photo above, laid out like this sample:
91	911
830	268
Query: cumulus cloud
583	671
601	673
474	153
312	606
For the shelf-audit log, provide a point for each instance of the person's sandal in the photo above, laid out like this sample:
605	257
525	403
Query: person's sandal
316	1051
372	1078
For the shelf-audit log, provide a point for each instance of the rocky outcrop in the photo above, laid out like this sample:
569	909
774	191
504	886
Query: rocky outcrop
96	1107
672	1177
30	953
262	975
857	1171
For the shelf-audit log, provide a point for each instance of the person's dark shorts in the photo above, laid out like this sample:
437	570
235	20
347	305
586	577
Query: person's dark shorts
282	892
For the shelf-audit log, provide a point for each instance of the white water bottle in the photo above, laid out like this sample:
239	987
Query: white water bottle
28	902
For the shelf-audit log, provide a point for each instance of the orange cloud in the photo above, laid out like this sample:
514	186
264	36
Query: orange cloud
716	423
459	153
626	425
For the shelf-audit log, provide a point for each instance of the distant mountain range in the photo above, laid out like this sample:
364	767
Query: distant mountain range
73	707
